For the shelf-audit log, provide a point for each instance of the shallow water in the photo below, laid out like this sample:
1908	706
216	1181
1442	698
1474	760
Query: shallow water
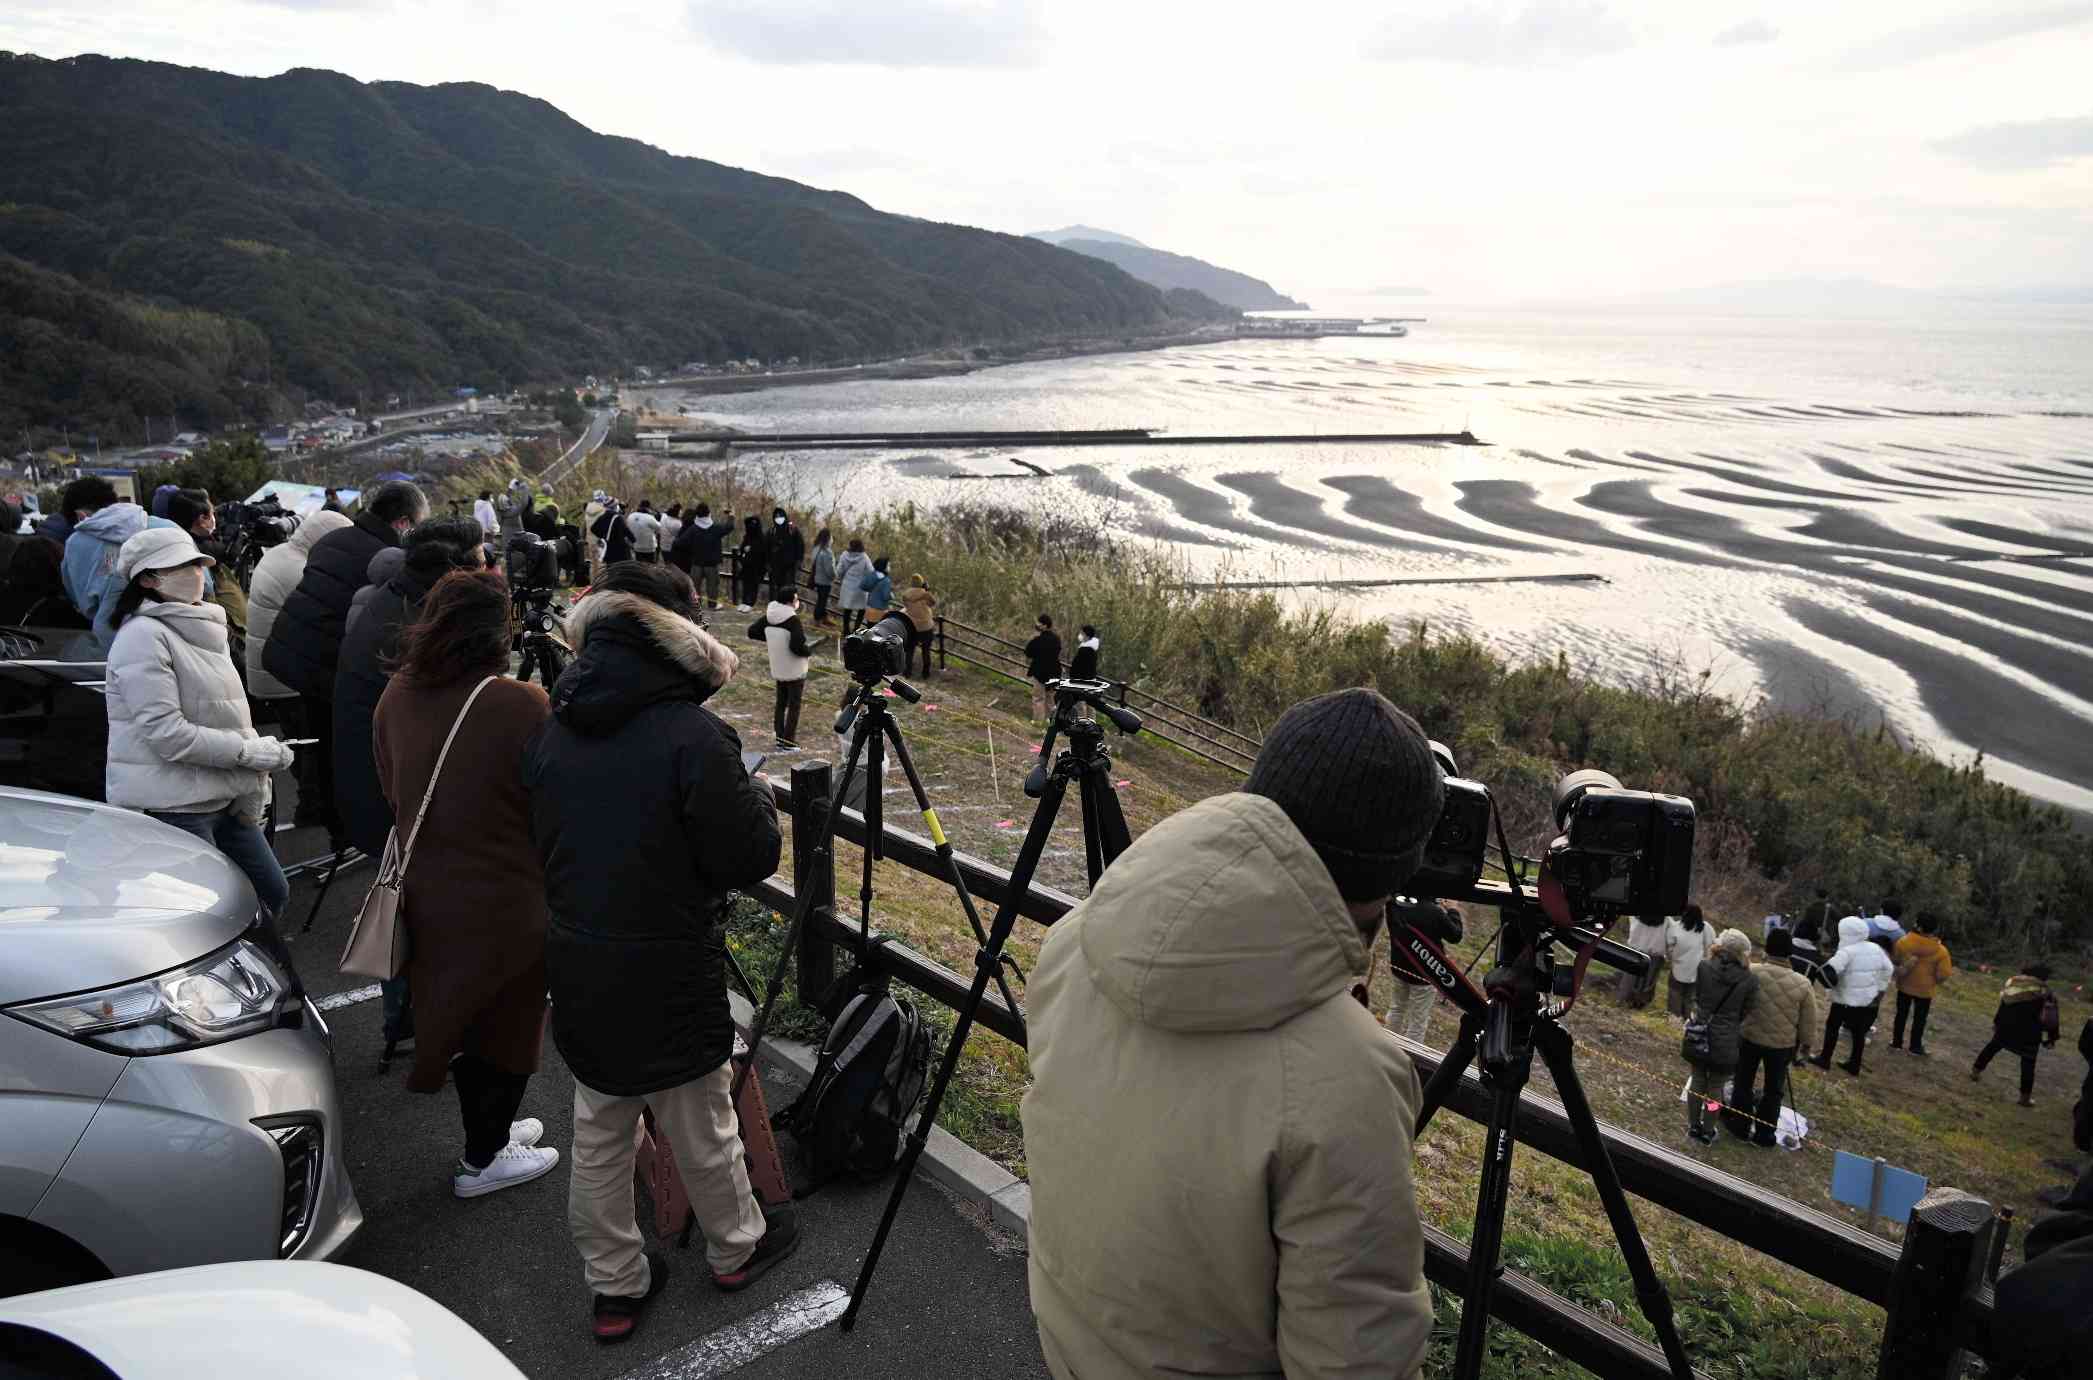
1819	511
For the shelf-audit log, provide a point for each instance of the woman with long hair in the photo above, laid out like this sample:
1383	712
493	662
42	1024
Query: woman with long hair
182	745
474	893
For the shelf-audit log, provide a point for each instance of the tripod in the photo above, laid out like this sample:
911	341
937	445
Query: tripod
1508	1020
1085	762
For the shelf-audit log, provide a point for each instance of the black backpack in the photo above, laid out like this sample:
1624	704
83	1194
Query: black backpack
867	1081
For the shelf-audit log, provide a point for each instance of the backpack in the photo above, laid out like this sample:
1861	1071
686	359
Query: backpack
867	1080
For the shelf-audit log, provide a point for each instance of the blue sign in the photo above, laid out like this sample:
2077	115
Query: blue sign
1853	1182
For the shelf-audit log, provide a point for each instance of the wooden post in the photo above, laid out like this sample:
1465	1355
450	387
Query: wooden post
1947	1244
941	642
816	961
1999	1238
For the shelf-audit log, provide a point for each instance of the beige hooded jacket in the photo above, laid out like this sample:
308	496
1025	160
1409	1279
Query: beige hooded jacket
1218	1134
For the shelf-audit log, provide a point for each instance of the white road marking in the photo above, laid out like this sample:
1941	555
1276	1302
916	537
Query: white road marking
348	998
731	1348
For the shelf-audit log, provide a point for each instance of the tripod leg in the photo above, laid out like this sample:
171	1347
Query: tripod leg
334	865
1105	835
986	965
1554	1044
875	820
944	849
1458	1057
821	853
1485	1247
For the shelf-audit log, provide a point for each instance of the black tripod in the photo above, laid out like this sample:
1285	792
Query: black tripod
871	726
1085	762
1510	1019
537	637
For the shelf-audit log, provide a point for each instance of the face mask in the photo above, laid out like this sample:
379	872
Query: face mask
183	586
780	522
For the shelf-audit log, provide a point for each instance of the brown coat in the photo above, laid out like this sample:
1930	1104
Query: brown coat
921	607
475	892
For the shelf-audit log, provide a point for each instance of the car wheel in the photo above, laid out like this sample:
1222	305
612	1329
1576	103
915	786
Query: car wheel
33	1258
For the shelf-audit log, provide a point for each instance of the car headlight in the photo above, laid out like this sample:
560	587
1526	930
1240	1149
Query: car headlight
233	992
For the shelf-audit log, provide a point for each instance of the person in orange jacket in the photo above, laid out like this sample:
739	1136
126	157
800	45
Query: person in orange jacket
1923	965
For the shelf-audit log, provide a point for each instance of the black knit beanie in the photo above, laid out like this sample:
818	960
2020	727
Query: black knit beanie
1356	776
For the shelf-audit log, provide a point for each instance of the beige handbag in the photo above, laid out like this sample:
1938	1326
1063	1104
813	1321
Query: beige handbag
377	944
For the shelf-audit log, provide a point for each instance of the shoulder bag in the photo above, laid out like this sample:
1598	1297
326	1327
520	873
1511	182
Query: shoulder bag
1696	1043
377	944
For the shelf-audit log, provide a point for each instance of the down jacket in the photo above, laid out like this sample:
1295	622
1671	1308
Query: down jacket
89	568
275	576
359	681
1192	1027
851	569
1785	1016
645	819
1929	964
306	641
1860	972
780	629
178	715
1724	994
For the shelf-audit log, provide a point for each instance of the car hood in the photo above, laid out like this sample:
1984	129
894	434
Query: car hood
92	895
261	1316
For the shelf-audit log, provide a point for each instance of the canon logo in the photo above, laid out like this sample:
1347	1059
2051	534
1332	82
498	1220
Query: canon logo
1431	963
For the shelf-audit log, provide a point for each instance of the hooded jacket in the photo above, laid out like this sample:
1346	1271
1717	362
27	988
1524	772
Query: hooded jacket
1859	972
2027	1015
1725	994
824	564
705	537
383	567
275	576
89	569
1217	1132
178	715
306	641
644	819
787	549
1929	965
1785	1016
360	678
780	629
851	569
878	587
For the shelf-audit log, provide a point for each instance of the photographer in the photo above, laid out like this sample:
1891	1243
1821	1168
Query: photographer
1193	1027
645	819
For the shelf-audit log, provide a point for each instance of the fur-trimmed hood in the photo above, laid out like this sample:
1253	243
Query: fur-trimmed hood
629	653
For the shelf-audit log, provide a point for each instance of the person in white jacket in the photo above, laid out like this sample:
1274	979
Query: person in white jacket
275	576
790	657
1687	940
1858	974
182	746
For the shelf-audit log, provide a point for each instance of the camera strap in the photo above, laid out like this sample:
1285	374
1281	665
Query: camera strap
1556	906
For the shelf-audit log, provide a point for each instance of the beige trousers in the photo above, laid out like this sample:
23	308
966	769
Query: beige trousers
698	1118
1410	1011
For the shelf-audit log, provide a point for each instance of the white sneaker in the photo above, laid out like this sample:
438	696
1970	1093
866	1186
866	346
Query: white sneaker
512	1165
526	1132
743	608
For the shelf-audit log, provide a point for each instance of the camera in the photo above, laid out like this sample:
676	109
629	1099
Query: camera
533	564
878	650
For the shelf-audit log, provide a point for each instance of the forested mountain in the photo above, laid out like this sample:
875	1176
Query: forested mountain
177	241
1161	268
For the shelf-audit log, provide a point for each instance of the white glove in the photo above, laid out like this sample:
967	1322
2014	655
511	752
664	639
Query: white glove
265	755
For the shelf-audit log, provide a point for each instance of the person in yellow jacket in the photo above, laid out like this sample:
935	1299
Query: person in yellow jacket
1218	1131
1922	966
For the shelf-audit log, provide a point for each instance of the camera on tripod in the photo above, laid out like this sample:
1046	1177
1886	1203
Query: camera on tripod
533	566
1618	852
877	651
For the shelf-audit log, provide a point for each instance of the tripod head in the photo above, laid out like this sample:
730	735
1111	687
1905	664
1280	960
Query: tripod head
864	695
1085	734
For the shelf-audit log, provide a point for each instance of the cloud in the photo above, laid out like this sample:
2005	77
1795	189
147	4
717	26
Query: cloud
1959	35
909	33
2023	144
1503	35
1750	31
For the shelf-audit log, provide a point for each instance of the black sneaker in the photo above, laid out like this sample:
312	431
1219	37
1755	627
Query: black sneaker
780	1239
616	1317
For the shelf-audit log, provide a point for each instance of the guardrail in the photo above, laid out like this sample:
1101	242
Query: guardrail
1935	1288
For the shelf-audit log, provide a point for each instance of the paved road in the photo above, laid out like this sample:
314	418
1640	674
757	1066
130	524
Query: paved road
949	1298
591	437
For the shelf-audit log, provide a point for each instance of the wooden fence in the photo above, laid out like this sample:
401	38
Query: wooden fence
1935	1288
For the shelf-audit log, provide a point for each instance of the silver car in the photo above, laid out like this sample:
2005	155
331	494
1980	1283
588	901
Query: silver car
166	1089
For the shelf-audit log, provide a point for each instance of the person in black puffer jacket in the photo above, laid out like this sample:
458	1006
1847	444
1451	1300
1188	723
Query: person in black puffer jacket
645	819
306	642
1724	992
433	550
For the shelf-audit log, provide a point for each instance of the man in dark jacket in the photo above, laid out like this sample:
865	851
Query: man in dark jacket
1043	663
787	549
634	943
305	642
706	537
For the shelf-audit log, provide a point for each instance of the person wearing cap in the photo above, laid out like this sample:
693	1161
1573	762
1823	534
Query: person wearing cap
1194	1026
182	745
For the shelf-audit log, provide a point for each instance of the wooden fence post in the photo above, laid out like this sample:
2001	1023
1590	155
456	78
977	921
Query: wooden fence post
1947	1244
941	642
816	961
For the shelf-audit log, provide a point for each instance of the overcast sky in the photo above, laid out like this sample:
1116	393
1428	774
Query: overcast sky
1478	148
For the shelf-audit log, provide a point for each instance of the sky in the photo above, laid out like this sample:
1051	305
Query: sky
1479	149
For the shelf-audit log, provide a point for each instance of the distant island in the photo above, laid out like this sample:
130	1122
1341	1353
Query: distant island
1168	271
183	243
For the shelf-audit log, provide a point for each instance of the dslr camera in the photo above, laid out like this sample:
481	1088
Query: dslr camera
1618	852
877	651
533	565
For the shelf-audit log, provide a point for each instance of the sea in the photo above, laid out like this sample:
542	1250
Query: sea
1883	517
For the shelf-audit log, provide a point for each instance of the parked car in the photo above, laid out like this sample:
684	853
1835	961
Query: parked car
253	1318
54	724
167	1091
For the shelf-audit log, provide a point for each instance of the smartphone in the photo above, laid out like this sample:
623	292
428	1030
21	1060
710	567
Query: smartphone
753	762
298	742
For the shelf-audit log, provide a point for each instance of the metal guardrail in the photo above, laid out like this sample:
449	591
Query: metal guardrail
1934	1287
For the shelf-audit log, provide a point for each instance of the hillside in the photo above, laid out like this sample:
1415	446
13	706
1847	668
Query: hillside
182	241
1165	270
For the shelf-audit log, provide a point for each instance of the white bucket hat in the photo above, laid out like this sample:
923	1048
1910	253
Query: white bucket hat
157	548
